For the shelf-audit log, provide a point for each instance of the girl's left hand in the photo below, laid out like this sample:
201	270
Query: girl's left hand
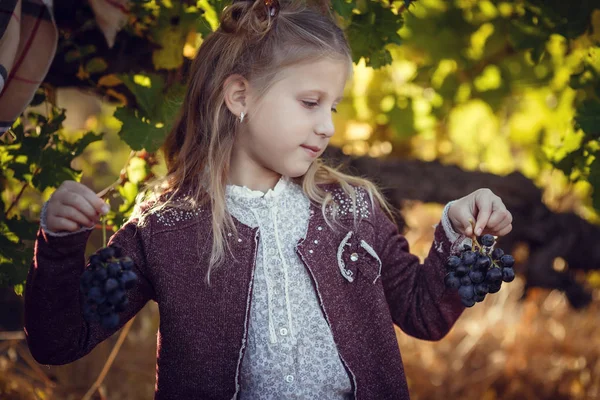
484	207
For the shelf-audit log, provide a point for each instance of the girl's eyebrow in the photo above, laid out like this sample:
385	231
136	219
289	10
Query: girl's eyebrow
324	94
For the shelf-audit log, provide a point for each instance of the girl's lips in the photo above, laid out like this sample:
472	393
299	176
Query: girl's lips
311	150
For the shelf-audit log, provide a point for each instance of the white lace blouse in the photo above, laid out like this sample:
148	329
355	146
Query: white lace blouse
290	351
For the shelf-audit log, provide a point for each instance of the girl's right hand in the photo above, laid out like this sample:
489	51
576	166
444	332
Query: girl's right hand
72	207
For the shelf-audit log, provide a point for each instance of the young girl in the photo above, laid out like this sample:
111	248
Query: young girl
275	275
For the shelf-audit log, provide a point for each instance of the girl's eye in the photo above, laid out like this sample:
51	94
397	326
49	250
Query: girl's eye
311	104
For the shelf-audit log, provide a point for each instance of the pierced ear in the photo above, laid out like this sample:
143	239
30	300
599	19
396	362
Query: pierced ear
235	93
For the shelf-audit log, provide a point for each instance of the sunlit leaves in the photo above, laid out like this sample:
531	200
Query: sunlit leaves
343	8
371	31
170	33
38	157
138	131
146	127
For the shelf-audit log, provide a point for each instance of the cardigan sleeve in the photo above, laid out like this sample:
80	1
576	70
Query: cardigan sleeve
55	329
419	302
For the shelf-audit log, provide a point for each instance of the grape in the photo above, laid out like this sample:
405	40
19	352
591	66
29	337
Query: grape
126	263
467	302
469	258
487	240
483	263
95	259
118	252
494	274
495	286
465	280
87	277
452	281
497	253
479	297
453	262
481	289
507	260
96	283
111	284
476	276
107	253
104	284
95	294
128	279
100	274
466	291
508	274
462	270
116	297
114	269
474	271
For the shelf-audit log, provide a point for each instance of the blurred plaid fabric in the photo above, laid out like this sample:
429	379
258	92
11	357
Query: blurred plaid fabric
28	40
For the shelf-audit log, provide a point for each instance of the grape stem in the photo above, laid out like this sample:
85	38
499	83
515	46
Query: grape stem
121	180
473	237
104	231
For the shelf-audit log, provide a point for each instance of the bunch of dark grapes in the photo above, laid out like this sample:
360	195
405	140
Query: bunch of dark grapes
477	271
104	283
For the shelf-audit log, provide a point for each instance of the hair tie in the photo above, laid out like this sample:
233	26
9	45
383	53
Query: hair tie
272	7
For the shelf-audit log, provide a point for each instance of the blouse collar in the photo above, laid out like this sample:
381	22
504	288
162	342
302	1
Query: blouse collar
247	196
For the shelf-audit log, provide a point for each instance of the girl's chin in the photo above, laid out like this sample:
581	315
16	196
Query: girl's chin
296	171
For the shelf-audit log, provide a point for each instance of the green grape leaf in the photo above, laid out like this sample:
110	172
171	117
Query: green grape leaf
587	118
343	8
96	65
148	91
80	145
25	230
569	162
139	133
369	33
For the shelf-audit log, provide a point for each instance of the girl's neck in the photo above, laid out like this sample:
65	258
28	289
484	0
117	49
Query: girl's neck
253	181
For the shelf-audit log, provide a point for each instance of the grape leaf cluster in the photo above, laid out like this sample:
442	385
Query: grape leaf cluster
476	272
104	284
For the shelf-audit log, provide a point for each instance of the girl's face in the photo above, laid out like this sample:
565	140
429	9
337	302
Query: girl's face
290	126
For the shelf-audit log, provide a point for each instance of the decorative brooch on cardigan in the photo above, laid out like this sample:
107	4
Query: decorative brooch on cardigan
357	255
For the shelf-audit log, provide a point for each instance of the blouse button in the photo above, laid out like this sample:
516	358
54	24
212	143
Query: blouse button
289	378
240	240
310	251
283	331
354	256
316	242
320	228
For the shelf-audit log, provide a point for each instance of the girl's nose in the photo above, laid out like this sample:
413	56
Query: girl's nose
326	127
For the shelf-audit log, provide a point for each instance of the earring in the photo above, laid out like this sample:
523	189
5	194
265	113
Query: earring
242	115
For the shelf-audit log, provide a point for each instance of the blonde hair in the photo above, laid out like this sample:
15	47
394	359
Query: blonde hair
253	43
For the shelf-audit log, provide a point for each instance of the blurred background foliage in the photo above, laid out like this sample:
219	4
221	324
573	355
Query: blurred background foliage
492	86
